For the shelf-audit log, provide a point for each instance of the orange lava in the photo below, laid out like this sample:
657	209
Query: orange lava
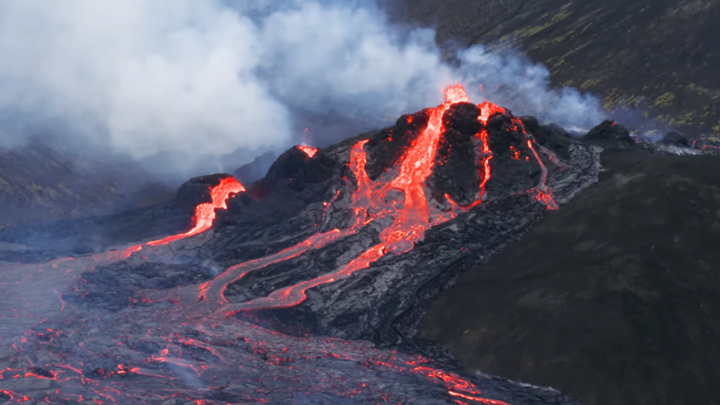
310	152
205	212
202	221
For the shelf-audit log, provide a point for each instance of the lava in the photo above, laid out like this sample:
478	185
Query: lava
205	212
203	220
310	152
541	192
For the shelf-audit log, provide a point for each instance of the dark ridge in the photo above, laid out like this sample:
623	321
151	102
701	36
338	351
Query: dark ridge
611	299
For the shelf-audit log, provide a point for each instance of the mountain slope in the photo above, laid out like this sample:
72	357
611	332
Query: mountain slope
659	57
612	299
40	184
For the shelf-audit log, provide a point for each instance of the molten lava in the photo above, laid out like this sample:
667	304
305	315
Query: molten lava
310	152
205	212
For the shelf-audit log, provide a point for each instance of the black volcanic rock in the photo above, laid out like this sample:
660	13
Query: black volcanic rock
453	175
610	135
387	146
514	165
462	118
502	136
675	138
550	136
294	170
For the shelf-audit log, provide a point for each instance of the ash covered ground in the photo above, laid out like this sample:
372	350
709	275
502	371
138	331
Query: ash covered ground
305	287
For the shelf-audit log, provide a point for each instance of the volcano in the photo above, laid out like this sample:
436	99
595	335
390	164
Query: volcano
304	287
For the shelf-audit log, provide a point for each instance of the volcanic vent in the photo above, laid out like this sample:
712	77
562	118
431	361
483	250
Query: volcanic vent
348	242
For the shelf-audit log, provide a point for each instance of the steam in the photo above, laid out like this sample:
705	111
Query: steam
511	80
176	83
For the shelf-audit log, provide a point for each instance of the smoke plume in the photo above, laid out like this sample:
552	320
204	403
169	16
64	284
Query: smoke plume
177	83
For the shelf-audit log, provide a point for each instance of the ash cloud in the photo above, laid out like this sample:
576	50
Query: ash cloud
179	84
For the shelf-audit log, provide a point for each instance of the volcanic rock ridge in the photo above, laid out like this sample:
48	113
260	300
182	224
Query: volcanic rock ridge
304	287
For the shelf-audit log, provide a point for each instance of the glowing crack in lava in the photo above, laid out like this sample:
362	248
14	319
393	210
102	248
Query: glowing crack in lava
309	151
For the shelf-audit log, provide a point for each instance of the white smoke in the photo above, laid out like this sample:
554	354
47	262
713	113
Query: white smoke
192	79
512	81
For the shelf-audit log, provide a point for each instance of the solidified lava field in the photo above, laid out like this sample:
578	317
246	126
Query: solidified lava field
305	287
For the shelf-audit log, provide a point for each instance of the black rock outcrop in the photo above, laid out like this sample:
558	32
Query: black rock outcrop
610	135
676	139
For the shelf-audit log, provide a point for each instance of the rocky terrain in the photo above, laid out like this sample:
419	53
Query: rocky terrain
657	59
40	183
310	286
612	299
306	289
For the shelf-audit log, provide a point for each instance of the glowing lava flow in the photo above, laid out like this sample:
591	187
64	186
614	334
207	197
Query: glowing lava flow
202	220
205	212
408	227
541	192
309	151
487	109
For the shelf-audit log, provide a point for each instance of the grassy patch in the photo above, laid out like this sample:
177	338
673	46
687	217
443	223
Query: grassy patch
665	100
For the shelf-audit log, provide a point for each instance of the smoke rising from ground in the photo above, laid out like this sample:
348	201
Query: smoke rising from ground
176	82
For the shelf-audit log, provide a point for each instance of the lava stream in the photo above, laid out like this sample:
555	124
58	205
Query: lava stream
205	212
541	192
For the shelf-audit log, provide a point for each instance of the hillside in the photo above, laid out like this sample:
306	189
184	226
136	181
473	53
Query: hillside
611	299
656	58
40	184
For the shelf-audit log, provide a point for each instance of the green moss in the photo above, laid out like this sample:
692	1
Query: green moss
557	64
531	31
685	119
616	98
697	89
562	38
665	100
589	83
